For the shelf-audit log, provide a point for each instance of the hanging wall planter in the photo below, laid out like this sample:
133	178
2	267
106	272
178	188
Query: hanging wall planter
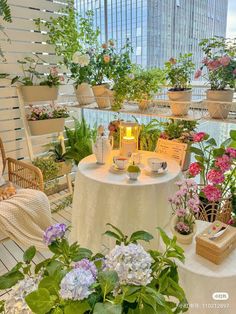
180	102
84	94
219	110
41	127
39	93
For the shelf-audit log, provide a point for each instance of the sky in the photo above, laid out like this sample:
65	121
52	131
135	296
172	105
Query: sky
231	20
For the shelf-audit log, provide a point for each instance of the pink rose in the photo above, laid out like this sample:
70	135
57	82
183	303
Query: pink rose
225	60
198	73
223	162
199	137
213	65
231	151
194	169
212	193
215	176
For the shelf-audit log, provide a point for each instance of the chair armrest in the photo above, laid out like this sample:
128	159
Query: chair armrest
24	175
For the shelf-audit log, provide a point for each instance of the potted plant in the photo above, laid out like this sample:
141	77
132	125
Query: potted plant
181	131
133	171
79	140
185	205
114	132
35	86
74	280
45	120
220	65
178	74
57	152
149	134
142	85
217	169
110	67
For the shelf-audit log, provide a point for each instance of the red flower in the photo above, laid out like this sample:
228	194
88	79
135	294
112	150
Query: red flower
194	169
212	193
199	137
215	176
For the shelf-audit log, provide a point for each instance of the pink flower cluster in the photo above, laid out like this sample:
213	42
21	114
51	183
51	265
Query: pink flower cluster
194	169
199	137
182	227
212	193
223	163
215	176
231	152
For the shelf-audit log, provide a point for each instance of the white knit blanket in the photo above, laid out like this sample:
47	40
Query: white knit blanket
25	216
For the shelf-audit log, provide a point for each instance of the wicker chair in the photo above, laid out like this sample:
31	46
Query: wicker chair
20	173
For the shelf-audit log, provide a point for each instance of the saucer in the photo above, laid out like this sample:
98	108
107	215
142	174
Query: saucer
151	173
115	169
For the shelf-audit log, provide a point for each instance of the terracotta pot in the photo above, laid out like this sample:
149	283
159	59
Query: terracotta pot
65	168
102	95
219	110
180	102
39	93
40	127
84	94
181	238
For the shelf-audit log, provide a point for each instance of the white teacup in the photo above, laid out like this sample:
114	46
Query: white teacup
120	162
156	164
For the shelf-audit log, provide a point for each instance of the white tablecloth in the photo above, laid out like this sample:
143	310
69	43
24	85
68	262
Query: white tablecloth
102	197
201	278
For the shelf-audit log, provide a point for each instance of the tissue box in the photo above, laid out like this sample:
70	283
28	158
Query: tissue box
213	248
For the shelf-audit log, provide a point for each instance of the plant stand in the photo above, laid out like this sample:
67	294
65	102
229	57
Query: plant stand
28	137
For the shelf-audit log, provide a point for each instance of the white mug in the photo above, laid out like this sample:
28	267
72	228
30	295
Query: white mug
155	164
120	162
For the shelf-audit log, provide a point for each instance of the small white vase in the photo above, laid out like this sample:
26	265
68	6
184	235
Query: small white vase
102	149
182	238
133	175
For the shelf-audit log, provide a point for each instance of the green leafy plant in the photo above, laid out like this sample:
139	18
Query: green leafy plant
79	140
52	286
178	130
219	62
48	167
149	134
179	72
56	152
32	77
45	113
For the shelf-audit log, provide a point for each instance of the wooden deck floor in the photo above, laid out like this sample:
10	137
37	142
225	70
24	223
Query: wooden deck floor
11	252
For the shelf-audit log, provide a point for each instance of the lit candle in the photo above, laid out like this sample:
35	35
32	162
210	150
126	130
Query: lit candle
128	135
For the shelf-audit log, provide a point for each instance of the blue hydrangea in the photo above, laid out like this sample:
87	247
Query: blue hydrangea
76	285
87	265
53	233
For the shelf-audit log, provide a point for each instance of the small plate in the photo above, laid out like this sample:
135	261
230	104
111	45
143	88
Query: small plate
151	173
115	169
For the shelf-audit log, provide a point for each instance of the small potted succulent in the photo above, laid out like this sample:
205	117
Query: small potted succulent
185	205
178	73
34	85
220	65
45	120
133	171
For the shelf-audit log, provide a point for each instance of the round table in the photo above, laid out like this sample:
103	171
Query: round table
201	278
102	197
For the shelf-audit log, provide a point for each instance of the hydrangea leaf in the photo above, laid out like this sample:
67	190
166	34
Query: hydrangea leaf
40	301
77	307
9	279
107	308
140	235
29	254
108	281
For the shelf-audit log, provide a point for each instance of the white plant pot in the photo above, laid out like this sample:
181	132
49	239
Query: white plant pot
103	96
181	238
41	127
39	93
84	94
133	175
180	102
219	110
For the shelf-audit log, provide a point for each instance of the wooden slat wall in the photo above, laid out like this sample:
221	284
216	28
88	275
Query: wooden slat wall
26	41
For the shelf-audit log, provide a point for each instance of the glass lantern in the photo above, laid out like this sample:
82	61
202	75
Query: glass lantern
129	132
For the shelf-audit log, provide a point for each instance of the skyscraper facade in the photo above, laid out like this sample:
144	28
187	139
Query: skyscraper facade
158	29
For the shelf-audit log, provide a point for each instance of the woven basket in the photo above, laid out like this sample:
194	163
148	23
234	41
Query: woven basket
212	211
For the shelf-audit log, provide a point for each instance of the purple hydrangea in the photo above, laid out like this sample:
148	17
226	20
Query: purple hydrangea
53	233
87	265
76	284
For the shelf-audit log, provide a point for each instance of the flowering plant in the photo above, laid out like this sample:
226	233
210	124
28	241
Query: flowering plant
179	130
114	131
219	62
44	113
32	77
128	279
215	165
185	204
179	71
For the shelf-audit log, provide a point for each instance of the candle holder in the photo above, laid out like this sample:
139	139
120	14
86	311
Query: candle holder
129	132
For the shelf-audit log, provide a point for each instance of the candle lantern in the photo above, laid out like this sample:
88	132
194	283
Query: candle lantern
129	132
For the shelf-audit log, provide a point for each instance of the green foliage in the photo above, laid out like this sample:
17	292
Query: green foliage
149	135
179	72
48	166
79	140
219	75
5	11
32	77
29	254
